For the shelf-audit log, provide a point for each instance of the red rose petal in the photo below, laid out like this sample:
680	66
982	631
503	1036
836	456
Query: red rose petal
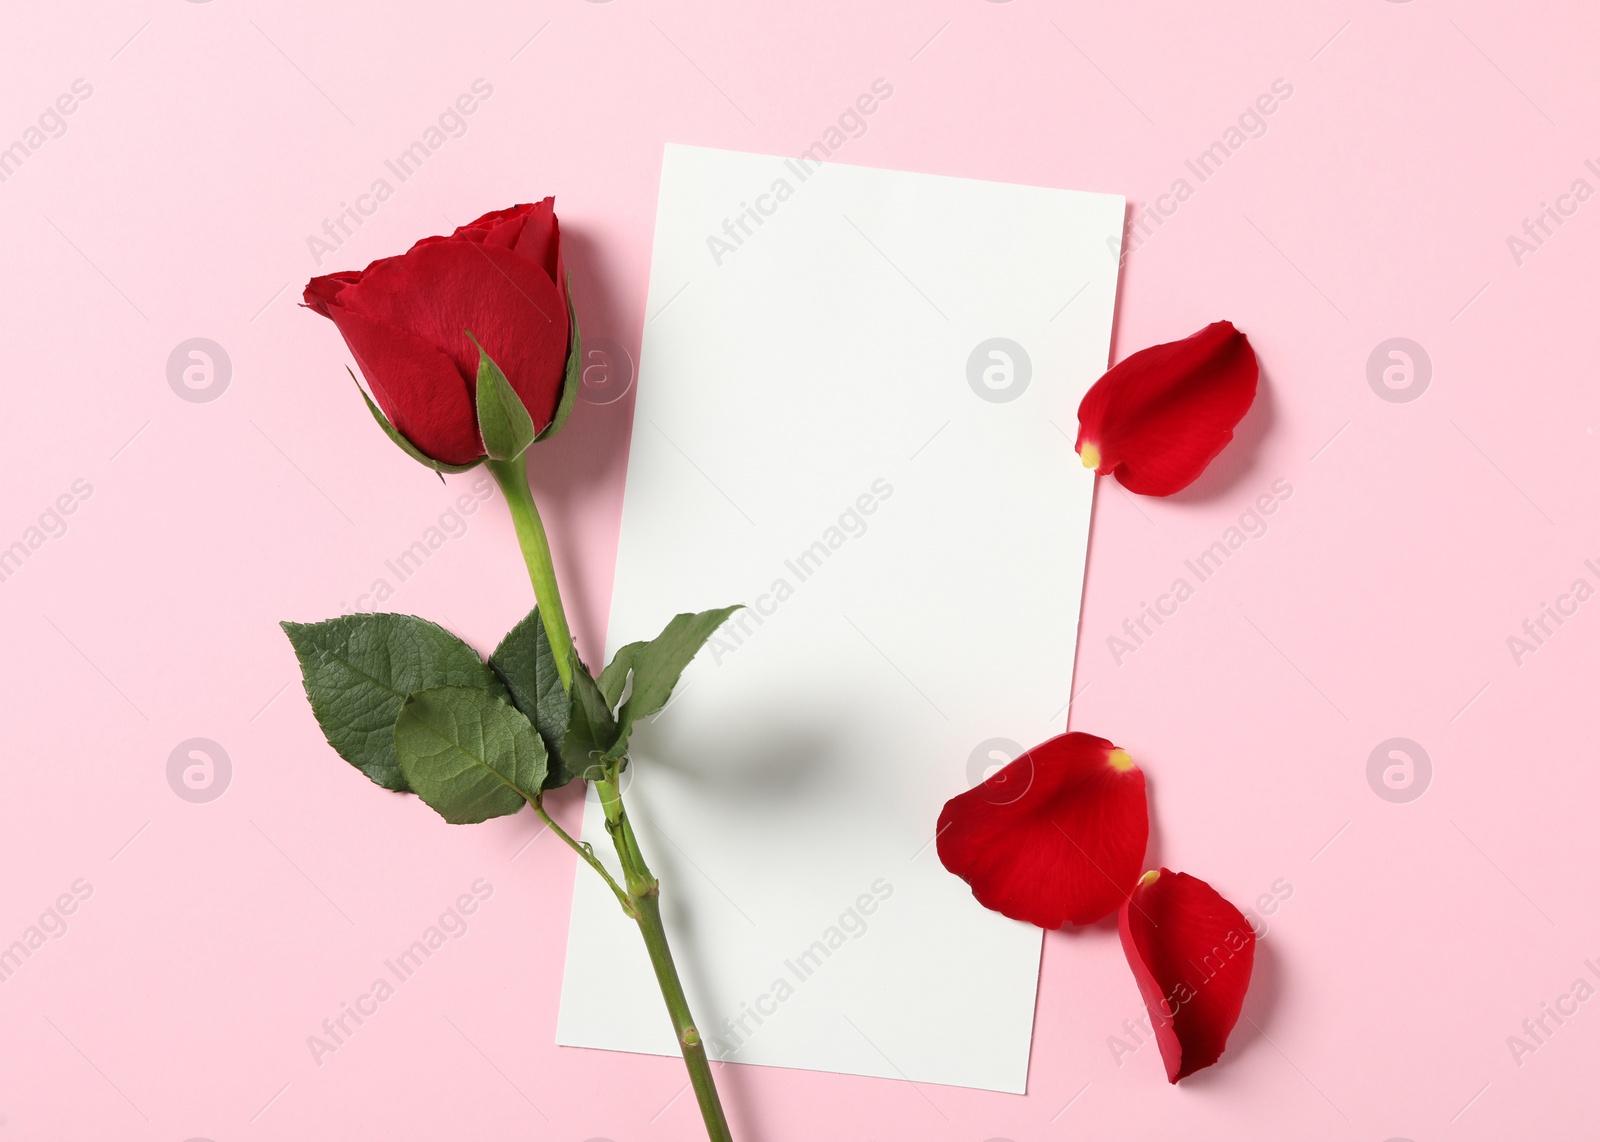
532	231
1055	837
1191	953
440	290
506	223
1158	418
416	385
320	292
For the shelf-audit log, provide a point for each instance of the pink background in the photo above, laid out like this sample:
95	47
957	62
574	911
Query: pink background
1418	537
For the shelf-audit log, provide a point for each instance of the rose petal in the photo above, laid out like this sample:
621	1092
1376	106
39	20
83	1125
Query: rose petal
1055	837
321	292
440	290
1191	953
1158	418
532	231
416	385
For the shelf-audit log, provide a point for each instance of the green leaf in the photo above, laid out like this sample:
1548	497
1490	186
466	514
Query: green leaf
573	381
615	677
399	438
503	419
357	671
591	730
469	755
657	666
525	664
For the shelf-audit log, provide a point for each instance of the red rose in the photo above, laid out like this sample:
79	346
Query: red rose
406	321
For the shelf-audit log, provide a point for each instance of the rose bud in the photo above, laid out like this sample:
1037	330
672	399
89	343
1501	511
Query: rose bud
410	322
1055	837
1191	953
1158	418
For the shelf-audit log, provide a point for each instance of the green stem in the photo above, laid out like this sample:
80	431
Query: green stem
645	892
512	476
642	897
586	851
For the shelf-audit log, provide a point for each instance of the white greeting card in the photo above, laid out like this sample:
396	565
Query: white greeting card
856	408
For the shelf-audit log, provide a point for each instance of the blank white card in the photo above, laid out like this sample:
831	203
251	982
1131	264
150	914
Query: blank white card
856	402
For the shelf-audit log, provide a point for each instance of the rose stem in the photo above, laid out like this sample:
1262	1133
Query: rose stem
643	890
512	476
